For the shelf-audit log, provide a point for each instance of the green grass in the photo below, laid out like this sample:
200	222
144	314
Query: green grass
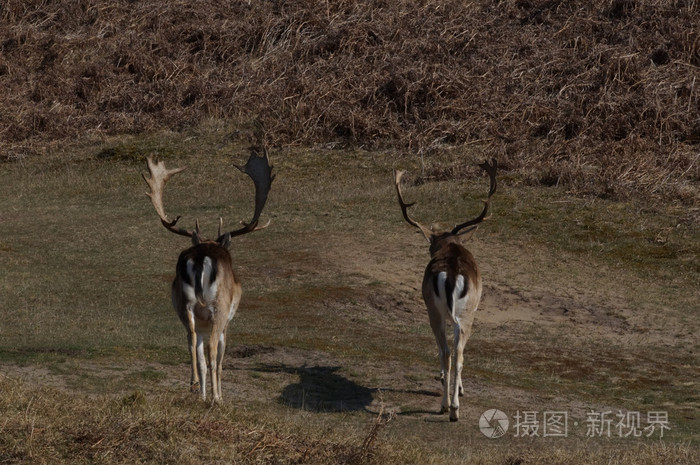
333	282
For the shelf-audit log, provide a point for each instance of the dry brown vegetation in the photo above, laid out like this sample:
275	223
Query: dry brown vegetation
600	96
48	426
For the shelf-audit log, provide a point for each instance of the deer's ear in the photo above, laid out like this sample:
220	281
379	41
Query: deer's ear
225	240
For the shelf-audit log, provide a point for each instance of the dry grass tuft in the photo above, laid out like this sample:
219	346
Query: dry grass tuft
43	425
367	450
600	96
51	426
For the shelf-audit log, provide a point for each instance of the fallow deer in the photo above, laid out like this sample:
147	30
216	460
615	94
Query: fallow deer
451	289
206	292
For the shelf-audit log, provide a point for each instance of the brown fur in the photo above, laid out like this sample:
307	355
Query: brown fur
205	306
444	304
449	256
207	315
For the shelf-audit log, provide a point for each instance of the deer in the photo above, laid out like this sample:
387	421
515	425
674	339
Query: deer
206	292
451	288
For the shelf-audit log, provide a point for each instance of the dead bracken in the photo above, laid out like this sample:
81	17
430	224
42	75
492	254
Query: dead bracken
602	96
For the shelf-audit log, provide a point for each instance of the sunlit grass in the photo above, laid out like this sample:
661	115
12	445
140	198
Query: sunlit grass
88	268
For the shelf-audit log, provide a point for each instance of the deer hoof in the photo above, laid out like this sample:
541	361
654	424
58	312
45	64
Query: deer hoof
454	413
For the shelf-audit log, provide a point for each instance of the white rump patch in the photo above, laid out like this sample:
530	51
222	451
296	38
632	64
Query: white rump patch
209	288
441	301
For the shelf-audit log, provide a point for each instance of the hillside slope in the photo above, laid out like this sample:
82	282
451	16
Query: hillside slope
601	96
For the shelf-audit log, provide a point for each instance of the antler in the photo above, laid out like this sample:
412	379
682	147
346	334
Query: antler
260	171
491	170
404	206
159	176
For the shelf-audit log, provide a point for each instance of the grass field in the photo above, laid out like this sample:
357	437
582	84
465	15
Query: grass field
590	306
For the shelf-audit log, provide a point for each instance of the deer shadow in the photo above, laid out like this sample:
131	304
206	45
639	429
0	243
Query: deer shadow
322	389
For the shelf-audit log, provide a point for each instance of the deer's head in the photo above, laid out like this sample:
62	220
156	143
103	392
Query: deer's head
257	167
439	237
